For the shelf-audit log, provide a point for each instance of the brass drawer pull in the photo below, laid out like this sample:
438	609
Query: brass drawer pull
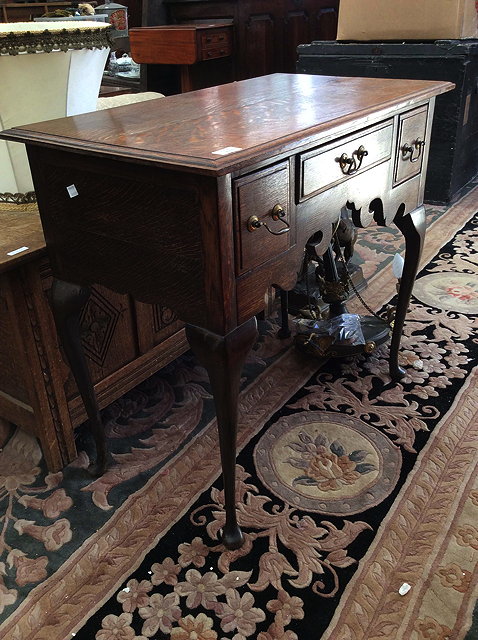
277	213
351	165
409	150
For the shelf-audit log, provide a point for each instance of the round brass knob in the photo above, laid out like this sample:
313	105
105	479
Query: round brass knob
278	212
253	223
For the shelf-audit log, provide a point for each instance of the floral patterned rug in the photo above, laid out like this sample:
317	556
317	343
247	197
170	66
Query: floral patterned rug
350	488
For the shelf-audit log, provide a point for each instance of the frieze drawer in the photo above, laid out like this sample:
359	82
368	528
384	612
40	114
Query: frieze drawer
331	164
263	224
411	145
215	44
215	39
220	51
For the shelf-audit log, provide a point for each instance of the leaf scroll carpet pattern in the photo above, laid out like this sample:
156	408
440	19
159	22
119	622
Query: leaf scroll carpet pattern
298	559
136	553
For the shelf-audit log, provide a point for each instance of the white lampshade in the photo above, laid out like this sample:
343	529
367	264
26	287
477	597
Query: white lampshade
42	86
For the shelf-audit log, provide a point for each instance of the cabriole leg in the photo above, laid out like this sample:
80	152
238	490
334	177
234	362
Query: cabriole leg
68	301
223	357
284	331
413	228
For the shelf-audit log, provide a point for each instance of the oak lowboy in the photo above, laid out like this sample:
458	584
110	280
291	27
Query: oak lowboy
202	201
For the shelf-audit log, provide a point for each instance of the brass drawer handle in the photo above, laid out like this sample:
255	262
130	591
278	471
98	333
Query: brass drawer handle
409	150
277	213
351	165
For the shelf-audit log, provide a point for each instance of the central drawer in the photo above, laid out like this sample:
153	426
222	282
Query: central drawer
329	165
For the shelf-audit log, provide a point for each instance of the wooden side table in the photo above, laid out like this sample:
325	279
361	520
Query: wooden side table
127	341
185	45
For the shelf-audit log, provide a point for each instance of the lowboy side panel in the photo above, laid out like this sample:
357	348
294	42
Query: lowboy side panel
129	227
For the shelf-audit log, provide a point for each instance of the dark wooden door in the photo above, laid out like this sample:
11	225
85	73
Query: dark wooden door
296	30
256	39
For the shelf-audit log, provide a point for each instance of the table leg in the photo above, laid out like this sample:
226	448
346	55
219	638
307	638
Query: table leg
68	301
284	331
186	82
412	227
223	357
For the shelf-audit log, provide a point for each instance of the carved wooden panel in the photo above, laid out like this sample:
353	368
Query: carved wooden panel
155	323
98	324
12	379
258	55
296	31
325	27
108	332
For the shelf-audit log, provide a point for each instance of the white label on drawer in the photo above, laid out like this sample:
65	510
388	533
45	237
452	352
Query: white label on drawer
14	253
72	191
226	150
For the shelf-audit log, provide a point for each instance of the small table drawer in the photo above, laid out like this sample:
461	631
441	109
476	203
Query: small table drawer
326	166
256	195
411	144
219	51
215	44
215	39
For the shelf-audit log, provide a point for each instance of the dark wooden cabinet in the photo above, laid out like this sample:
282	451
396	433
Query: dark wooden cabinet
26	11
267	32
454	151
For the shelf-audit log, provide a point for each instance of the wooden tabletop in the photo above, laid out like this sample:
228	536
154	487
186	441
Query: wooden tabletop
19	229
217	130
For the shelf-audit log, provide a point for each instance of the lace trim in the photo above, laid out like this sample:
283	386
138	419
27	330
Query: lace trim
17	198
47	41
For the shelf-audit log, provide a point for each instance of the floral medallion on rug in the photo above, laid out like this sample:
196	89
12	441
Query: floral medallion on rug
349	487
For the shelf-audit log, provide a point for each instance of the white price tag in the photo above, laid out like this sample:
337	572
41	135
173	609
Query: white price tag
72	191
14	253
226	150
